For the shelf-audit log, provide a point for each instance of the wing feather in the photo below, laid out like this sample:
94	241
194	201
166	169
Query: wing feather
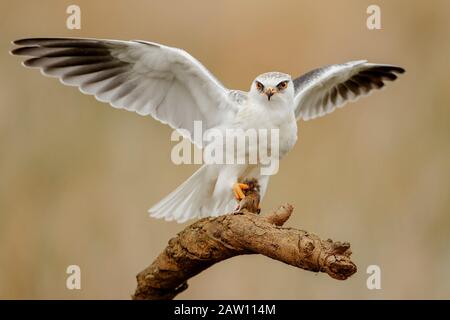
322	90
147	78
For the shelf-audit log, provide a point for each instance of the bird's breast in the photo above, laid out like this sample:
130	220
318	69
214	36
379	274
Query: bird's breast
282	121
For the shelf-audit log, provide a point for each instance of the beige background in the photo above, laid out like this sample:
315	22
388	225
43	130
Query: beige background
77	177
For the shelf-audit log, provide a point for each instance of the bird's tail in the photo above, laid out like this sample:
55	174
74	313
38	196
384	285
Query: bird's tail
195	198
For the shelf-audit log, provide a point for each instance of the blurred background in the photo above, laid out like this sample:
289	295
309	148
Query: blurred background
77	177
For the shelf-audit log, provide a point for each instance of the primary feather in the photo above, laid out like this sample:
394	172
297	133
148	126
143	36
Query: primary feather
322	90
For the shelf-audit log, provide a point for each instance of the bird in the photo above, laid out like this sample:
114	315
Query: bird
171	86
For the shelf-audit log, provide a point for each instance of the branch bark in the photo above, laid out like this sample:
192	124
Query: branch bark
211	240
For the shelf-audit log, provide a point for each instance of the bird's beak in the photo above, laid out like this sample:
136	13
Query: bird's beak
270	92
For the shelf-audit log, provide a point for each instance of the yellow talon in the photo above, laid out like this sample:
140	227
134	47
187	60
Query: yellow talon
237	190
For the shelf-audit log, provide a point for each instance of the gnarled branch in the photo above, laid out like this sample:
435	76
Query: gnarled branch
211	240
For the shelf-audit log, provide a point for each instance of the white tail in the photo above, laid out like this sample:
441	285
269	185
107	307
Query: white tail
194	198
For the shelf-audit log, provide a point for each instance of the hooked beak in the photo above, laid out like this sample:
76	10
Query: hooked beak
269	92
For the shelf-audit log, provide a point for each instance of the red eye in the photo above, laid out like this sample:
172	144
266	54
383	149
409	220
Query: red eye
259	86
282	85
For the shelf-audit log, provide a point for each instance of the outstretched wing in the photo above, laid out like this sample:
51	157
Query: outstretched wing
322	90
144	77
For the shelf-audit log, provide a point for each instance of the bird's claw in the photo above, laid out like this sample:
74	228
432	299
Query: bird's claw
238	190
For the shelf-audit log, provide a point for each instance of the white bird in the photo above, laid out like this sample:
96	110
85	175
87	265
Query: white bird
173	87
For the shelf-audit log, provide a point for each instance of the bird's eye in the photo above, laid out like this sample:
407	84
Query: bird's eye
259	86
282	85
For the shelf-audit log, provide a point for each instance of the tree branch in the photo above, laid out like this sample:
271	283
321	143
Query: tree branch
211	240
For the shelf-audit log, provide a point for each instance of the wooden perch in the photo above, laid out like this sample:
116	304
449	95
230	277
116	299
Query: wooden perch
211	240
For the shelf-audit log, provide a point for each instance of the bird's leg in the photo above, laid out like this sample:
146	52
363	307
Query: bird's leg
237	190
249	199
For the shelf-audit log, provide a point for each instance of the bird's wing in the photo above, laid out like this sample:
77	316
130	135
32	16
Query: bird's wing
238	96
322	90
147	78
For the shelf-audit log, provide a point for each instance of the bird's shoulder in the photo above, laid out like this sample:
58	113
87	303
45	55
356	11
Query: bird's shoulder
237	96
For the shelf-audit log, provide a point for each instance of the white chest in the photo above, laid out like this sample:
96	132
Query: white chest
282	120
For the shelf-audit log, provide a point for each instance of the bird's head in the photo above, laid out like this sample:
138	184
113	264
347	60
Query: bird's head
273	88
